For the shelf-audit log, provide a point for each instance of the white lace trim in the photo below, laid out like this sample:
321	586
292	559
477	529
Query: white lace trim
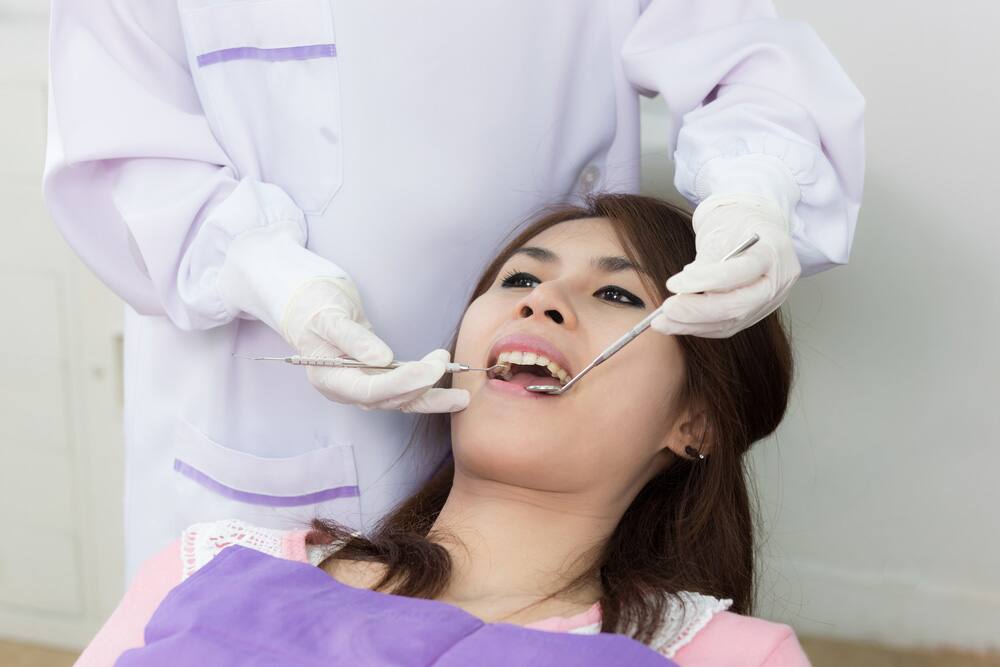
202	542
681	623
684	622
592	629
317	553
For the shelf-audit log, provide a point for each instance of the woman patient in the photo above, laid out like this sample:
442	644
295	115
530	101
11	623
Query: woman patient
620	507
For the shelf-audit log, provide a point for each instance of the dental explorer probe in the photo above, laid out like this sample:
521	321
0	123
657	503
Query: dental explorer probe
630	336
347	362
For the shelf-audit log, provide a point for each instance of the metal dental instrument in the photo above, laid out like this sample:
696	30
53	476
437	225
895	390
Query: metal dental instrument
631	335
347	362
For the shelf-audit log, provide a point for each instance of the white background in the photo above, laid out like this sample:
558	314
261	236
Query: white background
879	494
881	488
60	388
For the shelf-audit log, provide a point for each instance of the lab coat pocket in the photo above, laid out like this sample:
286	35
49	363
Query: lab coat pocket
212	481
267	74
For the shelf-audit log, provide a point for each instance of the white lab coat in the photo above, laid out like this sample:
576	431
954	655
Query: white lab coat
404	154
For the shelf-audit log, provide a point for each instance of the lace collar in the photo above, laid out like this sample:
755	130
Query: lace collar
682	622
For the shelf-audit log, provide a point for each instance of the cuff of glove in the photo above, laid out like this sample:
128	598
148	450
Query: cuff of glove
315	295
265	266
757	174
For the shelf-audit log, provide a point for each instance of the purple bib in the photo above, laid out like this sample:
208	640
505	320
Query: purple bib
250	609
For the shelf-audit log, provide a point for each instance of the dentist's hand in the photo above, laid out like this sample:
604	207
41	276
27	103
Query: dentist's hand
740	291
325	318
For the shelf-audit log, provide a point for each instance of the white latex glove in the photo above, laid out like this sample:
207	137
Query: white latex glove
740	291
324	318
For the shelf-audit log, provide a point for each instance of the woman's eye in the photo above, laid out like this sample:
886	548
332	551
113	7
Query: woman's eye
519	279
619	295
610	293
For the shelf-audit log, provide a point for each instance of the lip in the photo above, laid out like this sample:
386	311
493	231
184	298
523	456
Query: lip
513	389
522	342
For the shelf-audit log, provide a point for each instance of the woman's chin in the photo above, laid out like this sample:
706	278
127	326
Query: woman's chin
516	462
498	438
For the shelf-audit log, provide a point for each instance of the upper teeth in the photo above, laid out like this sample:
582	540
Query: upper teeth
529	359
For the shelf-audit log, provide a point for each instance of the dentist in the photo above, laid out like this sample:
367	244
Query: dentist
246	174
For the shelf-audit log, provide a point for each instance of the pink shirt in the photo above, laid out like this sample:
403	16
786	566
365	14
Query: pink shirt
727	639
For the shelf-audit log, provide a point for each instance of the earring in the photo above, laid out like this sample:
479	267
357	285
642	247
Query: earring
692	452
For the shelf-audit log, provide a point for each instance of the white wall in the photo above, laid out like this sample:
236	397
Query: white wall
880	489
60	389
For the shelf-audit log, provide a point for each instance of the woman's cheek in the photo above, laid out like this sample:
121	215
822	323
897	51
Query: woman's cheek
472	344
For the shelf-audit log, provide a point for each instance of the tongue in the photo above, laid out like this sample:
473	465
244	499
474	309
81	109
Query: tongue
525	379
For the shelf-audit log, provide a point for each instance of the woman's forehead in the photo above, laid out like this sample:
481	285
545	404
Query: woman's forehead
585	238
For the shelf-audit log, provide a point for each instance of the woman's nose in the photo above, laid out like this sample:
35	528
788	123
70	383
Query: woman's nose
552	314
545	301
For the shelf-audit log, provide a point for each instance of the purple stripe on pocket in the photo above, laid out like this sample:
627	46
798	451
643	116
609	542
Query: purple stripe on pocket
253	53
261	498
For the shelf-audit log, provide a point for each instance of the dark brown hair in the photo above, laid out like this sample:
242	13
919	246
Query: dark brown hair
691	527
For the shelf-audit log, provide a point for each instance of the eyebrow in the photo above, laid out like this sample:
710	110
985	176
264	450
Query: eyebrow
606	264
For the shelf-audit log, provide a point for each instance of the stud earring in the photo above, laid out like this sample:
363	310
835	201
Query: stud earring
692	452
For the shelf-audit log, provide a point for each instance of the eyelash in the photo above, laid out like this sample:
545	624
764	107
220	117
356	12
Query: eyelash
515	275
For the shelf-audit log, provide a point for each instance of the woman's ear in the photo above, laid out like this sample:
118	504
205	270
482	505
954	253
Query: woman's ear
690	438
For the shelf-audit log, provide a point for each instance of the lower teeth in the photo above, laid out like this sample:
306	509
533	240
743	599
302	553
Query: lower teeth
507	372
503	373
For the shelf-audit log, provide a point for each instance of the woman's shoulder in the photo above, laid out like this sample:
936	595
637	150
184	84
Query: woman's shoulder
700	631
733	639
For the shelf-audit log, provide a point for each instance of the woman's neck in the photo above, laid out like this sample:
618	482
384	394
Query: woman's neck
513	547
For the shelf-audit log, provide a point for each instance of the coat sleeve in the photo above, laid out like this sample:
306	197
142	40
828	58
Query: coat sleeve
758	105
125	627
140	188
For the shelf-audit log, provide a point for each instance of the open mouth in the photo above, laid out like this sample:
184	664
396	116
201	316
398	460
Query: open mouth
528	368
